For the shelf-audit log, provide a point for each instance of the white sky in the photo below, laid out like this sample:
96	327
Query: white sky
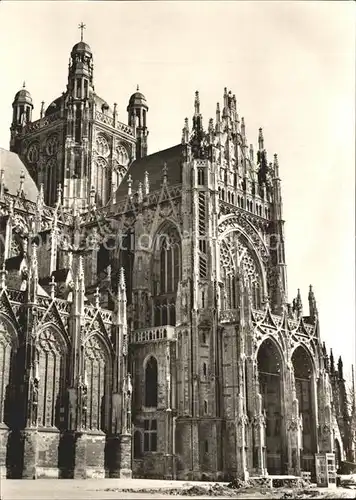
292	68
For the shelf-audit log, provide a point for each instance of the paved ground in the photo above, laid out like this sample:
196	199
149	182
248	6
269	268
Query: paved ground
76	489
72	489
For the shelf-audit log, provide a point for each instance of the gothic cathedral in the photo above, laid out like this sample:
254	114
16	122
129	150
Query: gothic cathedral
144	323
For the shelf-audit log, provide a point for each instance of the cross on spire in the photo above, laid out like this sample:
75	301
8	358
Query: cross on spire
82	27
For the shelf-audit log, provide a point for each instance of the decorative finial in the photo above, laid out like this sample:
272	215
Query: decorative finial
40	197
24	84
211	125
42	109
3	274
140	192
59	194
243	127
122	279
2	184
217	113
164	173
138	88
185	132
22	180
82	27
92	196
52	287
146	184
81	268
340	368
197	103
97	297
129	183
260	139
332	366
276	166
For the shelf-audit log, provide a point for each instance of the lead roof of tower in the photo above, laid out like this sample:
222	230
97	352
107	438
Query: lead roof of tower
81	47
23	96
138	99
13	168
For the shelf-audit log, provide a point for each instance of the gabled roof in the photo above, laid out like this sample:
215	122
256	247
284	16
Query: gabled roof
153	164
13	168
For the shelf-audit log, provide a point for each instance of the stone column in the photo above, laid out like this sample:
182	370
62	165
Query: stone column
241	459
4	435
259	432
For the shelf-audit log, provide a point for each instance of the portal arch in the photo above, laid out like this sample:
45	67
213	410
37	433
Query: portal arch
270	370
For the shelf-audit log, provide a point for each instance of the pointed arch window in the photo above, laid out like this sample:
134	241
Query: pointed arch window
151	383
102	180
51	370
166	276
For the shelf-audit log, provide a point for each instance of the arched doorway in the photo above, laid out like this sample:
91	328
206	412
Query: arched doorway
271	388
303	375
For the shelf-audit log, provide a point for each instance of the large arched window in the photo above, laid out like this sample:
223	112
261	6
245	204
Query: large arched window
269	370
166	276
303	372
101	180
234	254
51	352
151	383
96	365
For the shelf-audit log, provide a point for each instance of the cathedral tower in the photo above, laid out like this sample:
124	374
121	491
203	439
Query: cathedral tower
78	100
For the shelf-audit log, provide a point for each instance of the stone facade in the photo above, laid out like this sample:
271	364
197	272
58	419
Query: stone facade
144	321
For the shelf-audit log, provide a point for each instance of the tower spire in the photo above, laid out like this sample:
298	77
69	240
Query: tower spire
82	27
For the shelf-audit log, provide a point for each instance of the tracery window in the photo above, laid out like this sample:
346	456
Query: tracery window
95	363
231	250
167	274
102	146
101	180
51	373
122	155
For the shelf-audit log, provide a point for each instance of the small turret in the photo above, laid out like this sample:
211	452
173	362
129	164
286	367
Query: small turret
260	140
80	71
22	108
137	114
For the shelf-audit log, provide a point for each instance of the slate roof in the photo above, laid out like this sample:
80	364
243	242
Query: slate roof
13	167
153	164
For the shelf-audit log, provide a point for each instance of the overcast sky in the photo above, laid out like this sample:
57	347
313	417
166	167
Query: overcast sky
292	68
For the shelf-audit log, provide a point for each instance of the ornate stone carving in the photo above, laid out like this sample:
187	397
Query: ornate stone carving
33	152
102	146
52	145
